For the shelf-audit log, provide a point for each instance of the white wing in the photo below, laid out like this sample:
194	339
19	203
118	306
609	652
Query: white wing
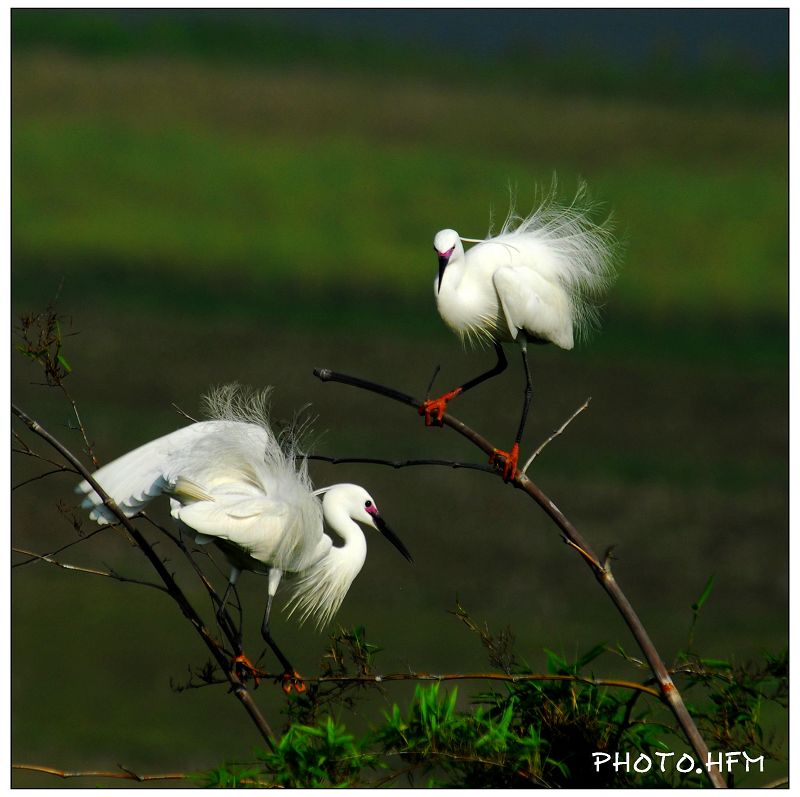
137	477
263	527
534	304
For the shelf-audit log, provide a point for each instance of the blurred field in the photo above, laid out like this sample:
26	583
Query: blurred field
203	223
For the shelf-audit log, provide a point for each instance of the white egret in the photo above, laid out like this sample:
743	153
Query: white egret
533	282
232	482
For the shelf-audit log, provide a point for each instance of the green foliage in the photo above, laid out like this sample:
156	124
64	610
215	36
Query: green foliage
734	696
536	730
324	755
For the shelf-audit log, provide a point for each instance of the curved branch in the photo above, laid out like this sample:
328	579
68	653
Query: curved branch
601	570
175	592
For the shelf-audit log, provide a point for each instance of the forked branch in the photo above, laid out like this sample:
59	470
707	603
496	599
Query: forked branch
575	540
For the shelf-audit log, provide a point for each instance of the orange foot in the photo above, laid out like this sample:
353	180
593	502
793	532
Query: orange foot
433	409
506	460
293	680
246	669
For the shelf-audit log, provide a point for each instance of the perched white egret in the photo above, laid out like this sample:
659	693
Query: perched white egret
533	282
232	482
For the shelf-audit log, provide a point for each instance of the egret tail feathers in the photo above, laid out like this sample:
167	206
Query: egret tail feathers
566	246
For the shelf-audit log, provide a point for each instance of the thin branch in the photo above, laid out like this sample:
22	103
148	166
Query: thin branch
399	463
604	576
377	679
486	676
183	413
556	433
44	475
37	557
29	452
175	592
216	601
90	570
121	774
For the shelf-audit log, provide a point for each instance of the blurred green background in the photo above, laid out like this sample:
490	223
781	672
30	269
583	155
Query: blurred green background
246	196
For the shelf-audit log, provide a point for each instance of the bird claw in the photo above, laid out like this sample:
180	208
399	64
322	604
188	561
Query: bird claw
434	409
506	461
292	680
246	669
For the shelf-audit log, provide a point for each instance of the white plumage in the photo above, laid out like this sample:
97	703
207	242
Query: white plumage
234	483
536	280
539	275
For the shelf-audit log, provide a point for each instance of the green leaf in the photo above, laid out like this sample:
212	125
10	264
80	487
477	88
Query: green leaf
555	664
698	604
717	664
596	651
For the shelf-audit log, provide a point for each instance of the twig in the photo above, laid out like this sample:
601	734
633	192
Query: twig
216	600
556	433
37	557
433	379
575	538
175	592
42	476
90	570
396	464
485	676
122	774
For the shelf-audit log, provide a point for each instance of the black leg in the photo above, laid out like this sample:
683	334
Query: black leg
265	632
434	409
528	390
498	368
224	618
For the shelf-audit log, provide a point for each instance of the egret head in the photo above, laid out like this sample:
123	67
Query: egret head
361	507
445	244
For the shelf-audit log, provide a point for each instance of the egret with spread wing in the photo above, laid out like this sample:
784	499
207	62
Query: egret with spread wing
533	282
232	482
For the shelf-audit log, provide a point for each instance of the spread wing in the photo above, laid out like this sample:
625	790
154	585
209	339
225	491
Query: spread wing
137	477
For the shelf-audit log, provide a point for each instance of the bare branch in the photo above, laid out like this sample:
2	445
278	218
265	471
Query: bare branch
37	557
175	592
202	678
556	433
396	464
183	413
44	475
90	570
121	774
27	451
485	676
576	540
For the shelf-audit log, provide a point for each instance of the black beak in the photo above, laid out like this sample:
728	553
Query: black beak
443	260
380	523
